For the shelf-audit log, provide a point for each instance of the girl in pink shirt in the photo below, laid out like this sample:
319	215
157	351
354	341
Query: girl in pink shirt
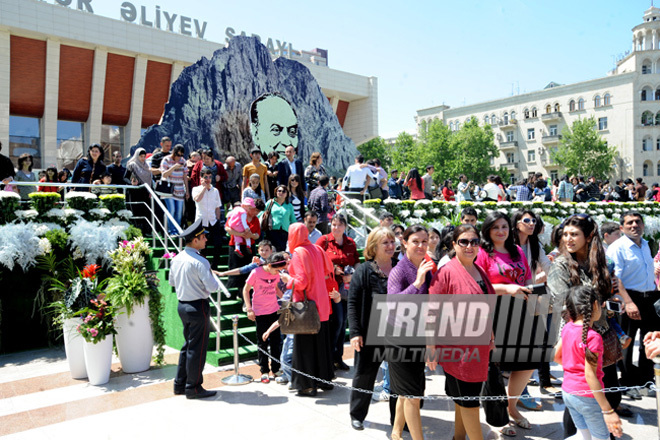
580	350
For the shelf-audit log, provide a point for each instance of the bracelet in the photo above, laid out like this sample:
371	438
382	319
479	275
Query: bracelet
608	412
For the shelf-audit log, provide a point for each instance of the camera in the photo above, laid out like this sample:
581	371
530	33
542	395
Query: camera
614	306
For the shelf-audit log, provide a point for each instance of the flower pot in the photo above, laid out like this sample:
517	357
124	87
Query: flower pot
98	360
135	340
73	345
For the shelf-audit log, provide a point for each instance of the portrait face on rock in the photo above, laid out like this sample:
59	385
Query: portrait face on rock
274	124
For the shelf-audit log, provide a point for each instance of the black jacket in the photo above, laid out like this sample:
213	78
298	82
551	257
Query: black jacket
366	283
284	171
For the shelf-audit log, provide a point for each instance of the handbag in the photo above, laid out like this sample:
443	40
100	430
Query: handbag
299	318
164	187
267	219
612	352
496	411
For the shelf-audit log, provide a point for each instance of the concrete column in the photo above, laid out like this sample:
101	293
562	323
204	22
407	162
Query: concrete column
49	119
654	36
334	103
177	68
4	90
132	131
93	125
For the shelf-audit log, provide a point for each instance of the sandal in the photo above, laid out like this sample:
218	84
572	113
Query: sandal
529	403
522	422
508	431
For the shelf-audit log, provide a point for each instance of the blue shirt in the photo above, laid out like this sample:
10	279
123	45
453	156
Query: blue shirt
395	188
191	276
522	192
633	264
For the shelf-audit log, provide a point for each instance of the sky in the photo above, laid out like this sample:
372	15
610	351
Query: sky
428	53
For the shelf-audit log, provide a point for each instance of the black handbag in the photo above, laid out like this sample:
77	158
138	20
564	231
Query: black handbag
267	219
496	411
299	318
164	187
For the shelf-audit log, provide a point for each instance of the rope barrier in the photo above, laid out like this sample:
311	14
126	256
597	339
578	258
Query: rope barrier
649	385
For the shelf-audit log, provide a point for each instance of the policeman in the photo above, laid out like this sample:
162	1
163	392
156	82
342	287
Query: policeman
193	281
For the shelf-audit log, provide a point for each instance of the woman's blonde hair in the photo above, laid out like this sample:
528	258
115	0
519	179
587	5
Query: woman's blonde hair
373	240
314	158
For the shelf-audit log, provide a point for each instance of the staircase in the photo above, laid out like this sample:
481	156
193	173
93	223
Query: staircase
228	308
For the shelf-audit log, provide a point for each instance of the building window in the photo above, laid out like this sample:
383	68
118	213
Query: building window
554	175
509	136
602	123
531	156
552	130
657	95
505	118
557	107
510	158
493	119
112	139
581	104
571	106
534	113
457	125
597	101
647	144
530	134
647	94
657	146
646	170
492	161
25	137
658	169
647	118
486	120
526	113
646	68
70	143
548	108
606	99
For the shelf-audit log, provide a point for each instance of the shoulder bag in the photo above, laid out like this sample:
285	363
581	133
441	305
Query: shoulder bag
164	187
267	219
299	318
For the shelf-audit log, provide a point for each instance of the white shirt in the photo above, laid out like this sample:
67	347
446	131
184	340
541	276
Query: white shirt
292	166
358	176
492	190
191	276
314	235
205	208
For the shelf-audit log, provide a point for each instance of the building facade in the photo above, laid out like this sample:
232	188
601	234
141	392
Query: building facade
70	78
625	105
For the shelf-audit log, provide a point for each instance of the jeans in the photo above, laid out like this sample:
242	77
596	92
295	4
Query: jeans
338	329
586	414
386	377
175	208
287	356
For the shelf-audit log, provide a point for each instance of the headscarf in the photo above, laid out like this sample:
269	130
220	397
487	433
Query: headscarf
138	168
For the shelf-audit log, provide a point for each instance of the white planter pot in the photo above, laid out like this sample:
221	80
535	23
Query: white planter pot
135	340
98	360
73	345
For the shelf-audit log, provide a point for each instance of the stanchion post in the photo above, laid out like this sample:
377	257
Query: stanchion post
656	369
236	378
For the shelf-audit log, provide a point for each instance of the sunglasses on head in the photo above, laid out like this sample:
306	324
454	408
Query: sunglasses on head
464	242
528	221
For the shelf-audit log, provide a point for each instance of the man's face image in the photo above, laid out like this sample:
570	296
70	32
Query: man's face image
276	126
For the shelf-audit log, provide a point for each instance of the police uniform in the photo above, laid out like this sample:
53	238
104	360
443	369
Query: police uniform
193	282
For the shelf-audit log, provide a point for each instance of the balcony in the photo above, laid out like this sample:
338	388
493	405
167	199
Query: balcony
510	166
507	125
510	145
551	117
550	139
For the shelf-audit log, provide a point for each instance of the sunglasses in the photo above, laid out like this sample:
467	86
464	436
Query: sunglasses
281	191
464	242
529	221
208	176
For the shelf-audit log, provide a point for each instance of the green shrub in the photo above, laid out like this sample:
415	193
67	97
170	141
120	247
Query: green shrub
43	202
114	202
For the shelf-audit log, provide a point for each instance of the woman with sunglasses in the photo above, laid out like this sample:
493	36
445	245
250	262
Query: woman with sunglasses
582	261
89	168
297	198
464	378
508	271
282	215
173	169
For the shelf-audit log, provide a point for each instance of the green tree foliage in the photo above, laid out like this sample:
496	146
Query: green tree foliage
583	151
376	148
466	151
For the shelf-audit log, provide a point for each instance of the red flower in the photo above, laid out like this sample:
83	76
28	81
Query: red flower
90	271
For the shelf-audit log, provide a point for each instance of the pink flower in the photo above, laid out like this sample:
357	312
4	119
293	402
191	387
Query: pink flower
93	332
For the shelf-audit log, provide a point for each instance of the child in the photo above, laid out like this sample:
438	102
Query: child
265	249
238	221
106	179
262	308
580	351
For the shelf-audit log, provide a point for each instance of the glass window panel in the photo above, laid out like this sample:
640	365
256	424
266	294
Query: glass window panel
70	143
25	137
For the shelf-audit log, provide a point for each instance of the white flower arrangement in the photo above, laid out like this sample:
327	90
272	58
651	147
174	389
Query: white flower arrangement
80	194
100	212
27	214
404	213
93	240
419	213
70	212
41	228
392	201
44	246
56	213
9	195
19	245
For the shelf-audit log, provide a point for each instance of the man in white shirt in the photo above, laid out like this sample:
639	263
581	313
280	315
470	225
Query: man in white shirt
311	217
358	176
463	189
207	204
428	182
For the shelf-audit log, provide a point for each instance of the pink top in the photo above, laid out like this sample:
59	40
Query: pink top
415	192
572	354
453	279
236	217
501	269
264	296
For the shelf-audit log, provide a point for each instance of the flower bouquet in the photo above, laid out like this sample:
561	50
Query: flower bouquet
97	328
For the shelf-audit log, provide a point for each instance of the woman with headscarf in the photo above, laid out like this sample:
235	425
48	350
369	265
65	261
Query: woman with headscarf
310	273
138	173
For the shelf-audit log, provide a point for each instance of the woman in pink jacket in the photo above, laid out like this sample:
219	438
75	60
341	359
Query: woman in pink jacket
310	272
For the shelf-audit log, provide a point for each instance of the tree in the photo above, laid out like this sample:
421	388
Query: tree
403	151
376	148
470	151
583	151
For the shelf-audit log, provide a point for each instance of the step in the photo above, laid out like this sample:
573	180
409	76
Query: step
226	356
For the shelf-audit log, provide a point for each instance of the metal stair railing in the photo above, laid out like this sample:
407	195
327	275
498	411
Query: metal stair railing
352	202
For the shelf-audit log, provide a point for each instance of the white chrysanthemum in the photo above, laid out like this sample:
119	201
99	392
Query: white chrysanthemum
404	213
44	246
55	212
9	195
70	212
80	194
419	213
98	212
